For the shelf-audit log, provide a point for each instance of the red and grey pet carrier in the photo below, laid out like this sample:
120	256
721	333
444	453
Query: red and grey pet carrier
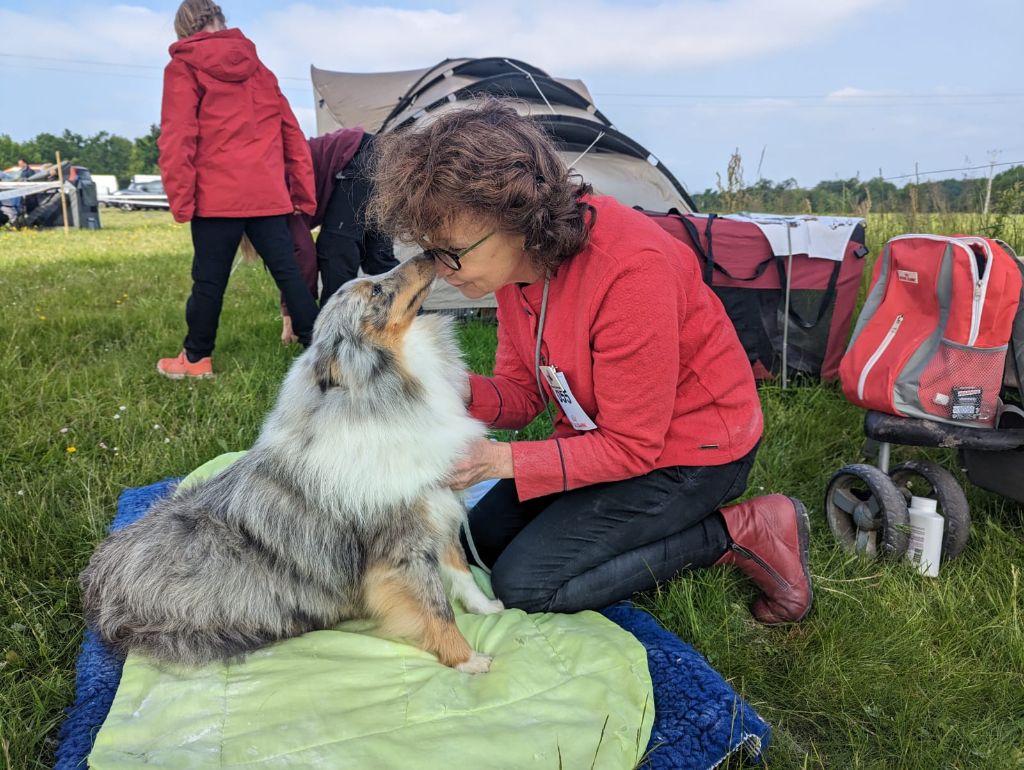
932	338
758	278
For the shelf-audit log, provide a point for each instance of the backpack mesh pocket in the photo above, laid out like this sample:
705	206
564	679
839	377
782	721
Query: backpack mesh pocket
962	383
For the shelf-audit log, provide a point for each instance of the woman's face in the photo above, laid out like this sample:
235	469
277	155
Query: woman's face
497	259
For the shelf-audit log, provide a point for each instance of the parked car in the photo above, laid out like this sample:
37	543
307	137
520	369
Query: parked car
138	195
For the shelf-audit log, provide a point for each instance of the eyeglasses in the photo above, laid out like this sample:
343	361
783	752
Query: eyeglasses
453	259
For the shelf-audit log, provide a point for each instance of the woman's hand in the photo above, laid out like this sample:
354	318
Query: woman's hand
288	336
484	460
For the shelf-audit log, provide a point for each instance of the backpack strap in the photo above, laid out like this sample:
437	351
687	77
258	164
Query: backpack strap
1015	350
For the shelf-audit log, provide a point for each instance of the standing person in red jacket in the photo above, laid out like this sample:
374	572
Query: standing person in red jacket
228	142
657	418
344	243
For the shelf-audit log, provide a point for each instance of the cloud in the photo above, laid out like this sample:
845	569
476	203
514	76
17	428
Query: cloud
123	33
848	93
564	38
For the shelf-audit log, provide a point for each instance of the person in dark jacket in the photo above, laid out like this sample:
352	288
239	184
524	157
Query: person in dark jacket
233	160
345	244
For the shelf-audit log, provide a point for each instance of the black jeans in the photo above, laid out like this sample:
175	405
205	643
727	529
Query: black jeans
345	243
590	547
215	241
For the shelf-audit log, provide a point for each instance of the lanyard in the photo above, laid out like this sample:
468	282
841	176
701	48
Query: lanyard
540	333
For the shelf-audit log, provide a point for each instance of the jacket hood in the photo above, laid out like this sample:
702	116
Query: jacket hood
226	55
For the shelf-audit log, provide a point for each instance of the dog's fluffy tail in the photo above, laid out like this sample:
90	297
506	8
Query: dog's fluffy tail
129	610
184	646
168	640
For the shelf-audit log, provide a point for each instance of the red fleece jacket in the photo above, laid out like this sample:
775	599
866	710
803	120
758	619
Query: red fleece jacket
647	350
227	135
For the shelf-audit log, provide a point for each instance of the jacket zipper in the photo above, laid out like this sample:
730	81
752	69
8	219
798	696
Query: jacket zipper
878	354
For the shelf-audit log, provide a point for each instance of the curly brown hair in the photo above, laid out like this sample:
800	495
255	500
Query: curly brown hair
486	161
193	15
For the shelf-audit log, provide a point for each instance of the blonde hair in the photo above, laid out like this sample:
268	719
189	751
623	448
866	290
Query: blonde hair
193	15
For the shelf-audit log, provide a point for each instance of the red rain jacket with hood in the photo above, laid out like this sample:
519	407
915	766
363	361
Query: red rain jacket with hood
228	138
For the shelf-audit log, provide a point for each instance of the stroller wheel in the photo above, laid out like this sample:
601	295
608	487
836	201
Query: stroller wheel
866	512
928	479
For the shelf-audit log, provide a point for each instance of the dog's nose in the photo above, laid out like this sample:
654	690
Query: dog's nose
427	263
440	268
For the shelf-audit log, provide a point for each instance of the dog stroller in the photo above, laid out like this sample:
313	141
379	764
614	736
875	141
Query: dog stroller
934	359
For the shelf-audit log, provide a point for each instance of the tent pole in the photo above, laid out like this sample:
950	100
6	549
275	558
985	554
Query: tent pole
785	312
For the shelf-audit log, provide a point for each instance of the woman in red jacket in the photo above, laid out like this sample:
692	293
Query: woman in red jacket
657	417
228	141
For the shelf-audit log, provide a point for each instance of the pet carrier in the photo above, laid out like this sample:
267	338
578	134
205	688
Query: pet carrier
789	284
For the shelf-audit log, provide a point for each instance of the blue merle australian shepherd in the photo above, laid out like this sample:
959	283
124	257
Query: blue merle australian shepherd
340	510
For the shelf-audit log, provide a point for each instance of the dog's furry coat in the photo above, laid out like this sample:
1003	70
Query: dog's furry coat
339	510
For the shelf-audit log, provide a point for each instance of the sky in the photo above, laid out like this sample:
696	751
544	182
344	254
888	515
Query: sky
805	89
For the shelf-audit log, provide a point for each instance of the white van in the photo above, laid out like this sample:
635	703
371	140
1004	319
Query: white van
105	183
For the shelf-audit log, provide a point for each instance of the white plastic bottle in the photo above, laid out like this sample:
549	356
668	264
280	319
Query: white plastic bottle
926	527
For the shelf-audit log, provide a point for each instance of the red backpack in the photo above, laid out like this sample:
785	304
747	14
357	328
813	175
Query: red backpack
932	338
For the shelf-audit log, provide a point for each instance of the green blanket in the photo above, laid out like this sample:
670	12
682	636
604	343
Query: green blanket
570	691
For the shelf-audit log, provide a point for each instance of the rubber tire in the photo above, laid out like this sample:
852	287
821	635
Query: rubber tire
895	520
953	506
125	207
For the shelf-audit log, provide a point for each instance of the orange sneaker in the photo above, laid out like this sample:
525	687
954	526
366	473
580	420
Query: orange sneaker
179	368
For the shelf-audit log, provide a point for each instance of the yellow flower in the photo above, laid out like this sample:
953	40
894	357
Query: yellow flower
71	450
42	318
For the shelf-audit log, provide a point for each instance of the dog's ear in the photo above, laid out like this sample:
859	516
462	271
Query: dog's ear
326	370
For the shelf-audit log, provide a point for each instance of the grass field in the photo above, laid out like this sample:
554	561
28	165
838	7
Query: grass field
892	670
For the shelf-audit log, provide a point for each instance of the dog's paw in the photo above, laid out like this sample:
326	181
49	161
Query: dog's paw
481	605
477	664
490	607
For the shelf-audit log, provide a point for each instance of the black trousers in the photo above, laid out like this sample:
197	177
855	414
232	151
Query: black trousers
590	547
345	243
215	241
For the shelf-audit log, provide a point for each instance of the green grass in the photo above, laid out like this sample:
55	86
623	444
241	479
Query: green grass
892	670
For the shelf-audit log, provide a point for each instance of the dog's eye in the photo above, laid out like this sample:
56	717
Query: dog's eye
377	290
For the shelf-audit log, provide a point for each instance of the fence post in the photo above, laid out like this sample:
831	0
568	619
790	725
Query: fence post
63	197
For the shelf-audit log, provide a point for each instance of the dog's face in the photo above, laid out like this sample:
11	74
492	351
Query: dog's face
361	327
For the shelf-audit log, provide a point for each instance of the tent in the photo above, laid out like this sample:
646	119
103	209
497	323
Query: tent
610	160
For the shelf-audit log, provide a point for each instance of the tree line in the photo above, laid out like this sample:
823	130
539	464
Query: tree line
863	196
102	153
106	153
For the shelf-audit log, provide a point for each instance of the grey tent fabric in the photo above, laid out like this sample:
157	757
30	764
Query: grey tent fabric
612	162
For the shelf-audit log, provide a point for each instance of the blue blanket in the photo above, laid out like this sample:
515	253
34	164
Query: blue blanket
699	718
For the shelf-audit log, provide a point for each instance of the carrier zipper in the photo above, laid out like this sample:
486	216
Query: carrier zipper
877	354
980	285
976	313
980	281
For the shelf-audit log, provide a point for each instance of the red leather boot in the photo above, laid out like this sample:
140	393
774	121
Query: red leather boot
769	545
